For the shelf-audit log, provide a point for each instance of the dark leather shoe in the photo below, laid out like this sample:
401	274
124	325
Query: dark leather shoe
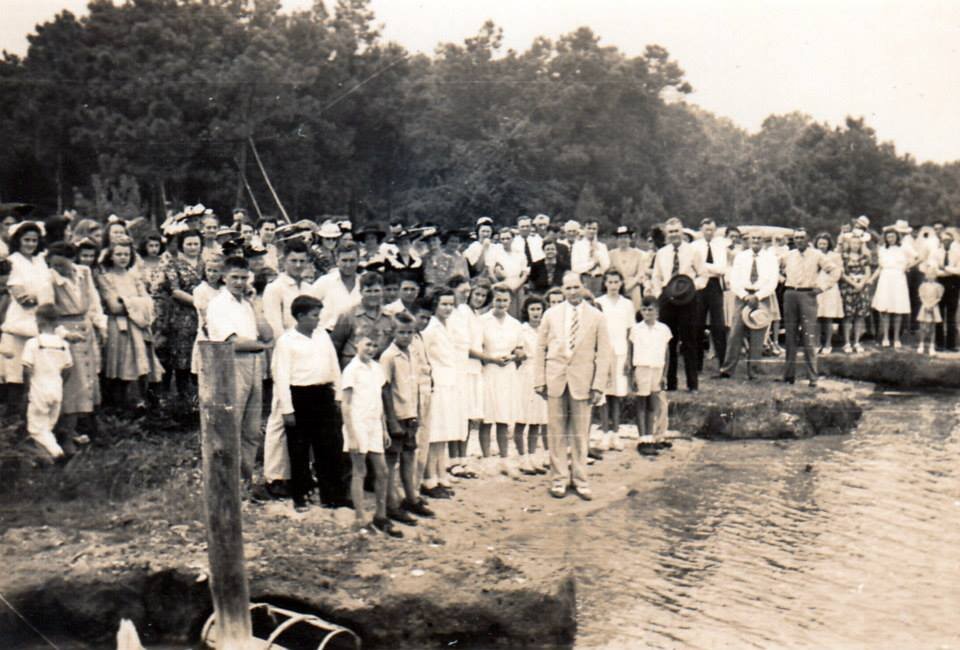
401	516
418	507
722	375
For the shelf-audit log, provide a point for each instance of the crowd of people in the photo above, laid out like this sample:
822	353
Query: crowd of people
389	350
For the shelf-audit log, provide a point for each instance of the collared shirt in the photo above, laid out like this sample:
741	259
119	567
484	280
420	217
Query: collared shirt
501	336
400	367
803	269
718	251
300	360
277	298
227	316
532	244
394	308
768	274
330	290
586	253
650	344
366	380
354	325
424	371
691	265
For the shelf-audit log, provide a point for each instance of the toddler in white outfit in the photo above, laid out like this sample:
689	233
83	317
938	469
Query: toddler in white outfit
46	359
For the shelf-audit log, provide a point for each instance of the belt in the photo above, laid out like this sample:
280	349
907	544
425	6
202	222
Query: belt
799	288
246	352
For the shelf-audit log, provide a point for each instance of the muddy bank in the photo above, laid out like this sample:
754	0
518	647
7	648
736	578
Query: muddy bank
901	368
456	581
728	409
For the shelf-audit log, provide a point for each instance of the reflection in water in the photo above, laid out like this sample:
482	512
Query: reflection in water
848	541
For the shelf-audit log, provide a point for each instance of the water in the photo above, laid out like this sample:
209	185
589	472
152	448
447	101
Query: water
836	542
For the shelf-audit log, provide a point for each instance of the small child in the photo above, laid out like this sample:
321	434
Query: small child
402	399
647	352
46	360
930	292
364	434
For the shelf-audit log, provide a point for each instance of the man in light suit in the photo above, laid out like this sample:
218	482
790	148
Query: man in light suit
753	278
571	362
679	258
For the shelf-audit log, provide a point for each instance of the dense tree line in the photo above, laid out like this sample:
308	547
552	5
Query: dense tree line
155	102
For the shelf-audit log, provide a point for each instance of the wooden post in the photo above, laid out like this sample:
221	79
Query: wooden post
221	491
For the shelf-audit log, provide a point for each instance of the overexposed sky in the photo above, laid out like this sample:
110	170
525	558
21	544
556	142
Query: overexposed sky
894	62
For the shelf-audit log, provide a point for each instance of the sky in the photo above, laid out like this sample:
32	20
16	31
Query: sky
894	62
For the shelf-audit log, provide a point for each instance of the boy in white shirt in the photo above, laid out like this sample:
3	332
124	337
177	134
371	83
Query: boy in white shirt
648	353
364	433
46	360
306	380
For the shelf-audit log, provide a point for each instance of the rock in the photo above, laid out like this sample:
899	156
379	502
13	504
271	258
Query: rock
734	410
900	368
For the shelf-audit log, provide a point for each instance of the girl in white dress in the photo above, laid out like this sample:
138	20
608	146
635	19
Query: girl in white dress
620	316
203	293
532	418
471	301
829	300
892	297
930	293
29	284
448	420
502	350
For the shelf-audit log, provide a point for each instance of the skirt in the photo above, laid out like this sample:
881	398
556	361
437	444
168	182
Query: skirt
617	381
447	419
129	353
501	399
533	408
472	395
892	295
774	306
830	303
648	380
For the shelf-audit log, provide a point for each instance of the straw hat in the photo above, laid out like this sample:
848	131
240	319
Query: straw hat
756	318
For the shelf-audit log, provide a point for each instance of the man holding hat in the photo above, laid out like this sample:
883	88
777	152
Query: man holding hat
801	267
753	279
678	271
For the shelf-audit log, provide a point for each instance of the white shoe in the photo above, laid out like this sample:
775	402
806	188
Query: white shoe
826	351
858	348
603	444
933	351
848	349
526	465
615	443
897	345
507	469
920	349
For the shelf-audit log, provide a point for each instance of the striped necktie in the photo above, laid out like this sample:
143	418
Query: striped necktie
675	271
574	328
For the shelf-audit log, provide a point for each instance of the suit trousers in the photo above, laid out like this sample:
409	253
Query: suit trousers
710	302
276	459
248	408
735	343
946	332
800	311
682	321
318	429
568	427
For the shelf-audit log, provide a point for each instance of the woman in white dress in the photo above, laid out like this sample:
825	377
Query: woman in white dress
532	417
620	316
471	300
29	284
513	271
829	300
502	351
892	297
485	256
448	420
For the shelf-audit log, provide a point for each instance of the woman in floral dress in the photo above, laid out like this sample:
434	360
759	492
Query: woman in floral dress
182	273
853	290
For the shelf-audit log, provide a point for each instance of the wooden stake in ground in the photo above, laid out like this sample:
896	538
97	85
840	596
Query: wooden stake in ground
273	192
220	441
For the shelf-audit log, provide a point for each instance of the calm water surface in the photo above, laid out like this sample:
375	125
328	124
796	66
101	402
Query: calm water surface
836	542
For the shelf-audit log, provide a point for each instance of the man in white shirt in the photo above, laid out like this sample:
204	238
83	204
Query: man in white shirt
527	242
541	223
679	258
713	250
278	298
231	317
306	380
753	279
339	289
589	257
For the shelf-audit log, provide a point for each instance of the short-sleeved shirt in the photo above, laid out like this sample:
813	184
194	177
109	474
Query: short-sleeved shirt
366	380
227	316
650	344
400	368
330	290
46	356
354	325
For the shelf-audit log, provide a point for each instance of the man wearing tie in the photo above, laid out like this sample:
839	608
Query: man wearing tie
527	242
710	298
589	257
679	258
753	278
571	363
801	267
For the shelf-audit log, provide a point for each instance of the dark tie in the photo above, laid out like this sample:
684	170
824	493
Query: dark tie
709	254
754	273
526	250
676	261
